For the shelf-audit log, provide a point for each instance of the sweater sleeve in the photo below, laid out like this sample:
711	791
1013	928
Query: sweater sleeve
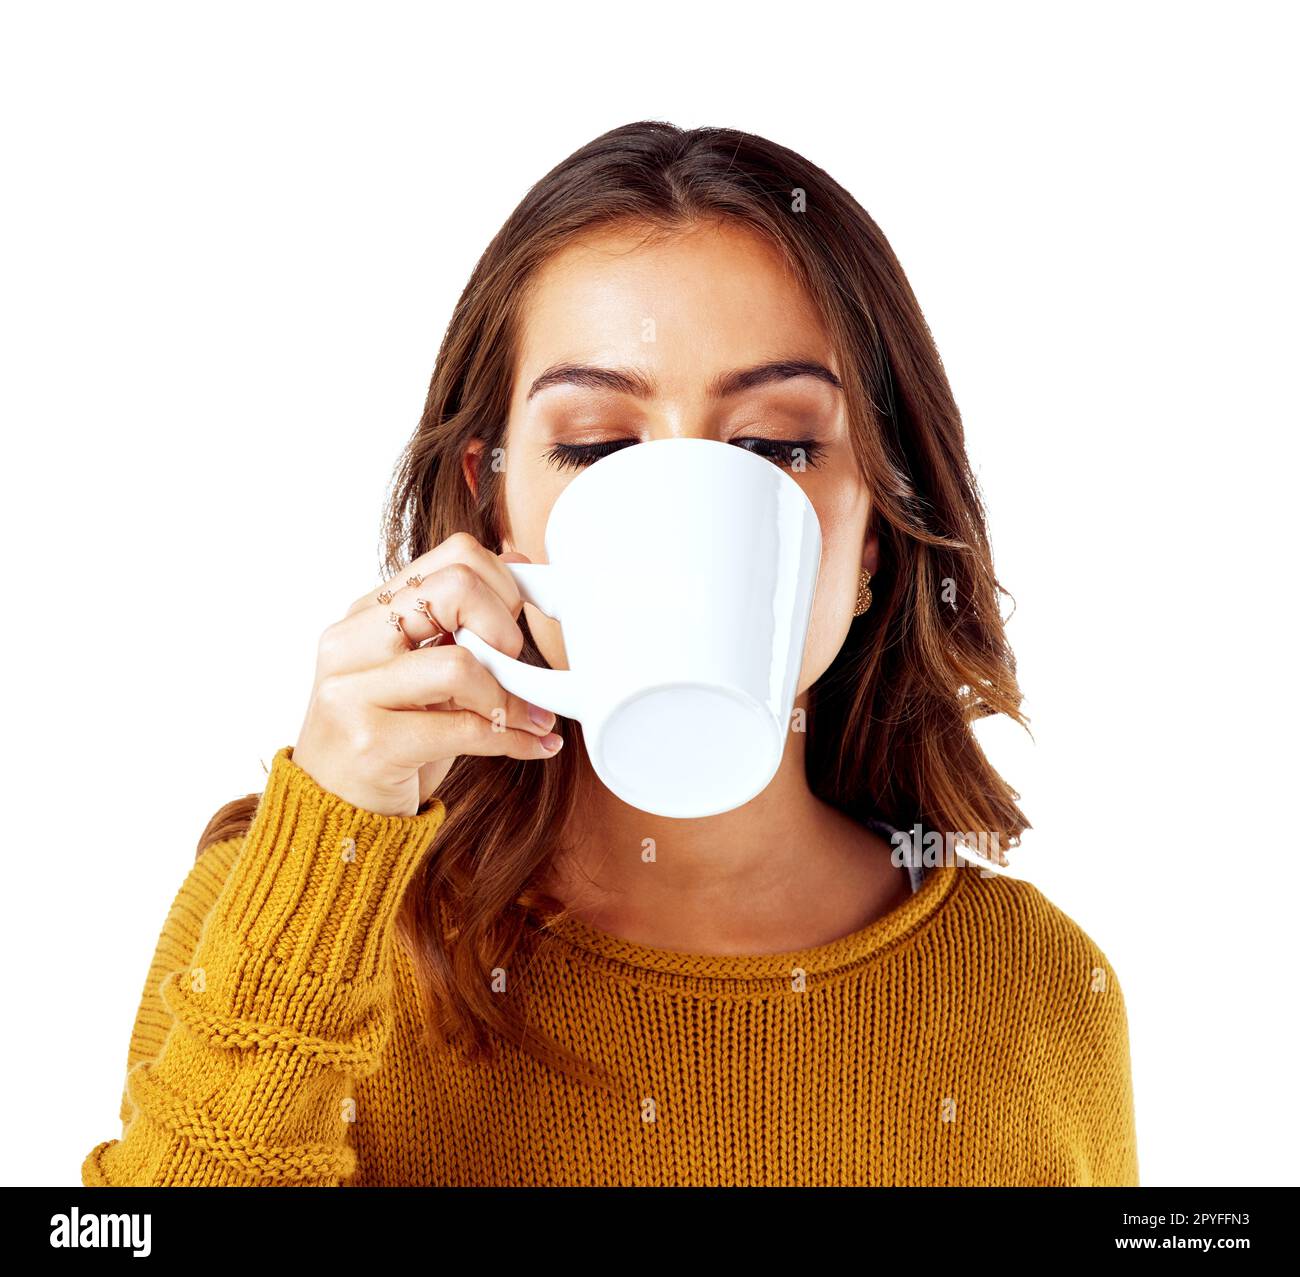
1084	1075
1109	1129
269	992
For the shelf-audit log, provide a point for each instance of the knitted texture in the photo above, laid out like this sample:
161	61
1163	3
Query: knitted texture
974	1035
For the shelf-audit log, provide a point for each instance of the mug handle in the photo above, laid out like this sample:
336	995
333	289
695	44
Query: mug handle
556	690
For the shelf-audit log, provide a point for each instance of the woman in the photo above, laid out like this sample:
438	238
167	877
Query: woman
436	950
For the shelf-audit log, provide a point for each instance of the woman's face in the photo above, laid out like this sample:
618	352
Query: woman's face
632	338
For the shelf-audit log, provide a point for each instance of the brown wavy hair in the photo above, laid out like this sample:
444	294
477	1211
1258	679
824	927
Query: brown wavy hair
889	723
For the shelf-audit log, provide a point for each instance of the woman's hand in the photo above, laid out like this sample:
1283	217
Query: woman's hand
386	721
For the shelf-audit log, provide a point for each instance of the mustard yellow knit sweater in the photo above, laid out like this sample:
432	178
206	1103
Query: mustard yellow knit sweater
973	1036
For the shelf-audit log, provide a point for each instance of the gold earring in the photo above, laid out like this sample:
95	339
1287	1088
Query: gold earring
864	593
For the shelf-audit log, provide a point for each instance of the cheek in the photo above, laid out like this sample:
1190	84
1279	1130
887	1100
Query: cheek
530	493
842	514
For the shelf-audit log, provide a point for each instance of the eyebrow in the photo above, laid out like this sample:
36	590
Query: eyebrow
628	381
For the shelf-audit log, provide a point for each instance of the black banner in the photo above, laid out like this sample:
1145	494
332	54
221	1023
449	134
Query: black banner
97	1226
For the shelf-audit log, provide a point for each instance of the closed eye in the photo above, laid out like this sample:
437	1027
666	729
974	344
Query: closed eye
573	456
796	453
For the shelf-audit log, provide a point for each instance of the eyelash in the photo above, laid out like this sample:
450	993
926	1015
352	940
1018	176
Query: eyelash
574	456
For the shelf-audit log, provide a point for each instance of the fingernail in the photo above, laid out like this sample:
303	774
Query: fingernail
551	742
538	715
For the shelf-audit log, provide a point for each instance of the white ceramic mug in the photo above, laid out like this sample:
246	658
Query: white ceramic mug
682	572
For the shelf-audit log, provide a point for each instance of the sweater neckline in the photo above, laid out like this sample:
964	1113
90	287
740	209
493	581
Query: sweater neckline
877	937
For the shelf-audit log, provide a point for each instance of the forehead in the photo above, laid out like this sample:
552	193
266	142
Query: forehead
716	293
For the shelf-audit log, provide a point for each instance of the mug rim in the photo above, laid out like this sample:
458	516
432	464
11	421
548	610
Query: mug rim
559	504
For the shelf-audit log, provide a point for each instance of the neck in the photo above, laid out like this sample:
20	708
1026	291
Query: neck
785	871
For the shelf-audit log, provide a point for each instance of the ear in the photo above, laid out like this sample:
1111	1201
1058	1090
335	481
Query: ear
469	463
871	553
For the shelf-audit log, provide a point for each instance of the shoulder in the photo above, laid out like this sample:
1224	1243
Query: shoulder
1049	961
193	901
208	874
1019	912
1048	995
175	947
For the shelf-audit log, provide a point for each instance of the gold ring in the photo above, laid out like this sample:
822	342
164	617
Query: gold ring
426	610
395	620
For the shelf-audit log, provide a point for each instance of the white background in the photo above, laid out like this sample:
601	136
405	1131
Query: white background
233	235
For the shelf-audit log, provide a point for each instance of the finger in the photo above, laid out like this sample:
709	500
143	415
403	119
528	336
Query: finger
460	547
451	677
416	737
453	596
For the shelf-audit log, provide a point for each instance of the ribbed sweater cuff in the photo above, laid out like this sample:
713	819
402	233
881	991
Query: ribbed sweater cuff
312	898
